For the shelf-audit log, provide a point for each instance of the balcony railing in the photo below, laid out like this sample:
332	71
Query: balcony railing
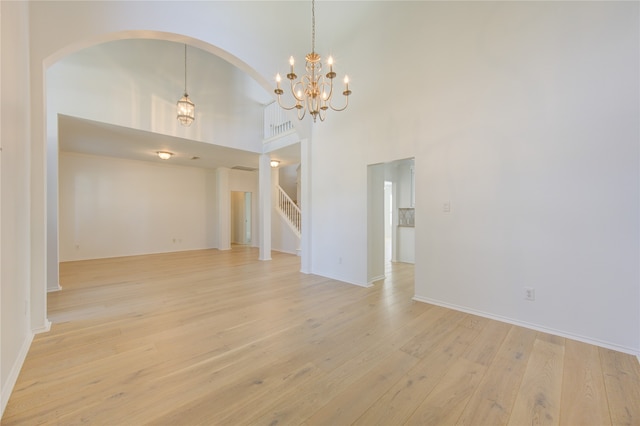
276	121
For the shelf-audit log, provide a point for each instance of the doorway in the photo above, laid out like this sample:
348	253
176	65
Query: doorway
241	217
390	216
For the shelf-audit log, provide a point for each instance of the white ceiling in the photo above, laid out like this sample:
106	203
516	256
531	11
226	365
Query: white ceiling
223	95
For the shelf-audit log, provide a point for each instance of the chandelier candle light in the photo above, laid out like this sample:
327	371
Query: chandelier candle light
314	91
186	108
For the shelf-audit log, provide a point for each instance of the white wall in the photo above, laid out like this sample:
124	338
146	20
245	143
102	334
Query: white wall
283	239
375	223
245	181
113	207
524	116
238	230
15	327
540	166
406	244
288	178
405	236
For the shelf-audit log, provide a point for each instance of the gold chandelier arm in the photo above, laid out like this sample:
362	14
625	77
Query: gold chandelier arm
346	103
322	113
279	92
301	110
345	93
326	95
298	100
298	90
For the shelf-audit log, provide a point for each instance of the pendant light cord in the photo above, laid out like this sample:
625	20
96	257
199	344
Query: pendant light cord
313	26
185	69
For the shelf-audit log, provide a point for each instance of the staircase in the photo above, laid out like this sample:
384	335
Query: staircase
289	210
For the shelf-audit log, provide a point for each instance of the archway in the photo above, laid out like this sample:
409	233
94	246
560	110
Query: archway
50	251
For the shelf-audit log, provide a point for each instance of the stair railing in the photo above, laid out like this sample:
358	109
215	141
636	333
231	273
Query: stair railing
290	211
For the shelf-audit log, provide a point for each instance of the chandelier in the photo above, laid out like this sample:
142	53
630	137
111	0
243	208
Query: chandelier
186	108
314	91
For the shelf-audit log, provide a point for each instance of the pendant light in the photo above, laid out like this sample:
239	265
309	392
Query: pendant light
186	108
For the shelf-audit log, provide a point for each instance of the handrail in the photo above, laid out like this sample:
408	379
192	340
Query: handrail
290	210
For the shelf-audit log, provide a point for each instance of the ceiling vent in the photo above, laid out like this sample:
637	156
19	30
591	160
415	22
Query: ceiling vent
244	168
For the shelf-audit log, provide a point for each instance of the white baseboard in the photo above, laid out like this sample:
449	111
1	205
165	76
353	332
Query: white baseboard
54	289
366	285
295	253
374	279
5	393
337	278
45	328
595	342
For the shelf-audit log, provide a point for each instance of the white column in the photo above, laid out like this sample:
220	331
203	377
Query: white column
264	206
223	207
53	255
305	205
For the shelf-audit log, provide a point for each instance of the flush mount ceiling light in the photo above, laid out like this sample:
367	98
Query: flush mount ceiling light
165	155
186	108
314	91
274	163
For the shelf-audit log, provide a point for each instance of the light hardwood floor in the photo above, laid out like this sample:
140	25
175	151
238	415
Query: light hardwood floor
218	337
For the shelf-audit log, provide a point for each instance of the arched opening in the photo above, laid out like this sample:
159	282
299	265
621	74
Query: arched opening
145	109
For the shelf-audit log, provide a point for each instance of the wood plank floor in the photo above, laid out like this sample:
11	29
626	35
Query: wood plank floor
219	338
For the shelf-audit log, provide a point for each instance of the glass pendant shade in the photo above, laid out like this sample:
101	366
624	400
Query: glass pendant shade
186	108
186	111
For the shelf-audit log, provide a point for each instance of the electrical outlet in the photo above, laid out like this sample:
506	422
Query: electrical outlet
529	293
